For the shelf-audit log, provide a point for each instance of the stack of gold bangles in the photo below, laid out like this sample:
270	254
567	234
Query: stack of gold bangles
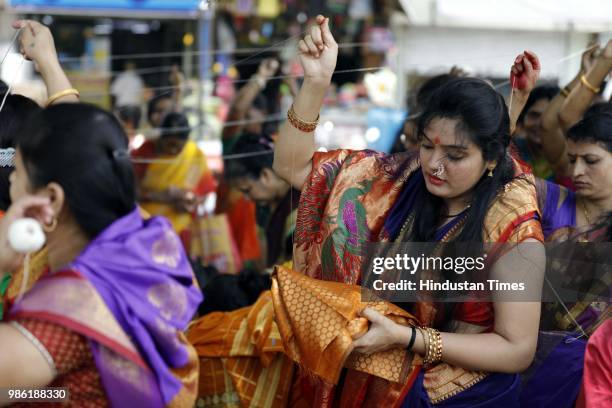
433	345
299	124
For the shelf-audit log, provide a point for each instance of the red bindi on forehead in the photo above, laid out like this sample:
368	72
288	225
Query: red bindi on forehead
436	140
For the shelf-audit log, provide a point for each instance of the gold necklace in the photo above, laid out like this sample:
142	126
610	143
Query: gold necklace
586	213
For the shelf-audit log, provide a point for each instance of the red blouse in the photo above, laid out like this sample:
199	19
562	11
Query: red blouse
74	362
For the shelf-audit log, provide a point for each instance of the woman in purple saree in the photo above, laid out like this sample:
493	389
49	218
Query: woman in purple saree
106	320
554	378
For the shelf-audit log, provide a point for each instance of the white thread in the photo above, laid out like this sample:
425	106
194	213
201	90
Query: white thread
225	157
170	88
567	310
10	86
10	47
196	53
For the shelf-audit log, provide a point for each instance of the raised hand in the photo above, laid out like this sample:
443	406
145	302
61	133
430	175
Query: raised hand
36	43
268	68
525	72
319	52
588	58
606	53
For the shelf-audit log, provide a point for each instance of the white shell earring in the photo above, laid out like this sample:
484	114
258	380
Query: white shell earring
26	235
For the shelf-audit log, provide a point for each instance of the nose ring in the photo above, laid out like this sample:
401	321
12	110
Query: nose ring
440	170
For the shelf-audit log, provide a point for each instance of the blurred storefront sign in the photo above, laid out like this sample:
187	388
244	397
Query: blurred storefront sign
165	8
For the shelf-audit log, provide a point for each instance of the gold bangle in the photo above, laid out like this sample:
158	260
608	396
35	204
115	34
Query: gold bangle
438	346
433	345
299	124
65	92
588	85
432	341
423	332
429	346
564	92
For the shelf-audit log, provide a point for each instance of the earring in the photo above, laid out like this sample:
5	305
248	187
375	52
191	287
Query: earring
490	172
50	228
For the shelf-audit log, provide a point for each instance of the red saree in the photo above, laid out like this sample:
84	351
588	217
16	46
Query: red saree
344	204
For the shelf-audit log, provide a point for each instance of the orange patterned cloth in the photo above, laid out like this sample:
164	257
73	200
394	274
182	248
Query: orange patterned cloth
318	321
74	363
241	358
344	204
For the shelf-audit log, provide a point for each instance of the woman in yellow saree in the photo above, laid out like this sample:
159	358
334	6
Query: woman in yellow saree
173	175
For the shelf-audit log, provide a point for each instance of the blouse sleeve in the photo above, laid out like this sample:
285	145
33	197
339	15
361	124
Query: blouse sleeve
64	349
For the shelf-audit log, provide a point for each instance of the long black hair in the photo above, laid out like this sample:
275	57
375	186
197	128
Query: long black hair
84	149
17	111
483	118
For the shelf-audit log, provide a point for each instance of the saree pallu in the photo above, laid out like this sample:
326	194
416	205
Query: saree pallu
558	206
346	202
496	390
242	361
554	377
188	170
130	293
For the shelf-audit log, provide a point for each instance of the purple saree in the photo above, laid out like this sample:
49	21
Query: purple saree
131	293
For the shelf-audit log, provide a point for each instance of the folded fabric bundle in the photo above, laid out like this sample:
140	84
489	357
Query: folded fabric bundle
318	321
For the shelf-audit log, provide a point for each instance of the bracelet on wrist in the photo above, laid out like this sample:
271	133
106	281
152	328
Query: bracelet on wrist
299	124
588	86
61	94
433	349
565	91
412	339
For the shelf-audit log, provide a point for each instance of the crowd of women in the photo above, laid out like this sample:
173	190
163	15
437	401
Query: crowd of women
109	307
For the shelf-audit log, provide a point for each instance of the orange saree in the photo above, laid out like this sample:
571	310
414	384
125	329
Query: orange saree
241	358
343	205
